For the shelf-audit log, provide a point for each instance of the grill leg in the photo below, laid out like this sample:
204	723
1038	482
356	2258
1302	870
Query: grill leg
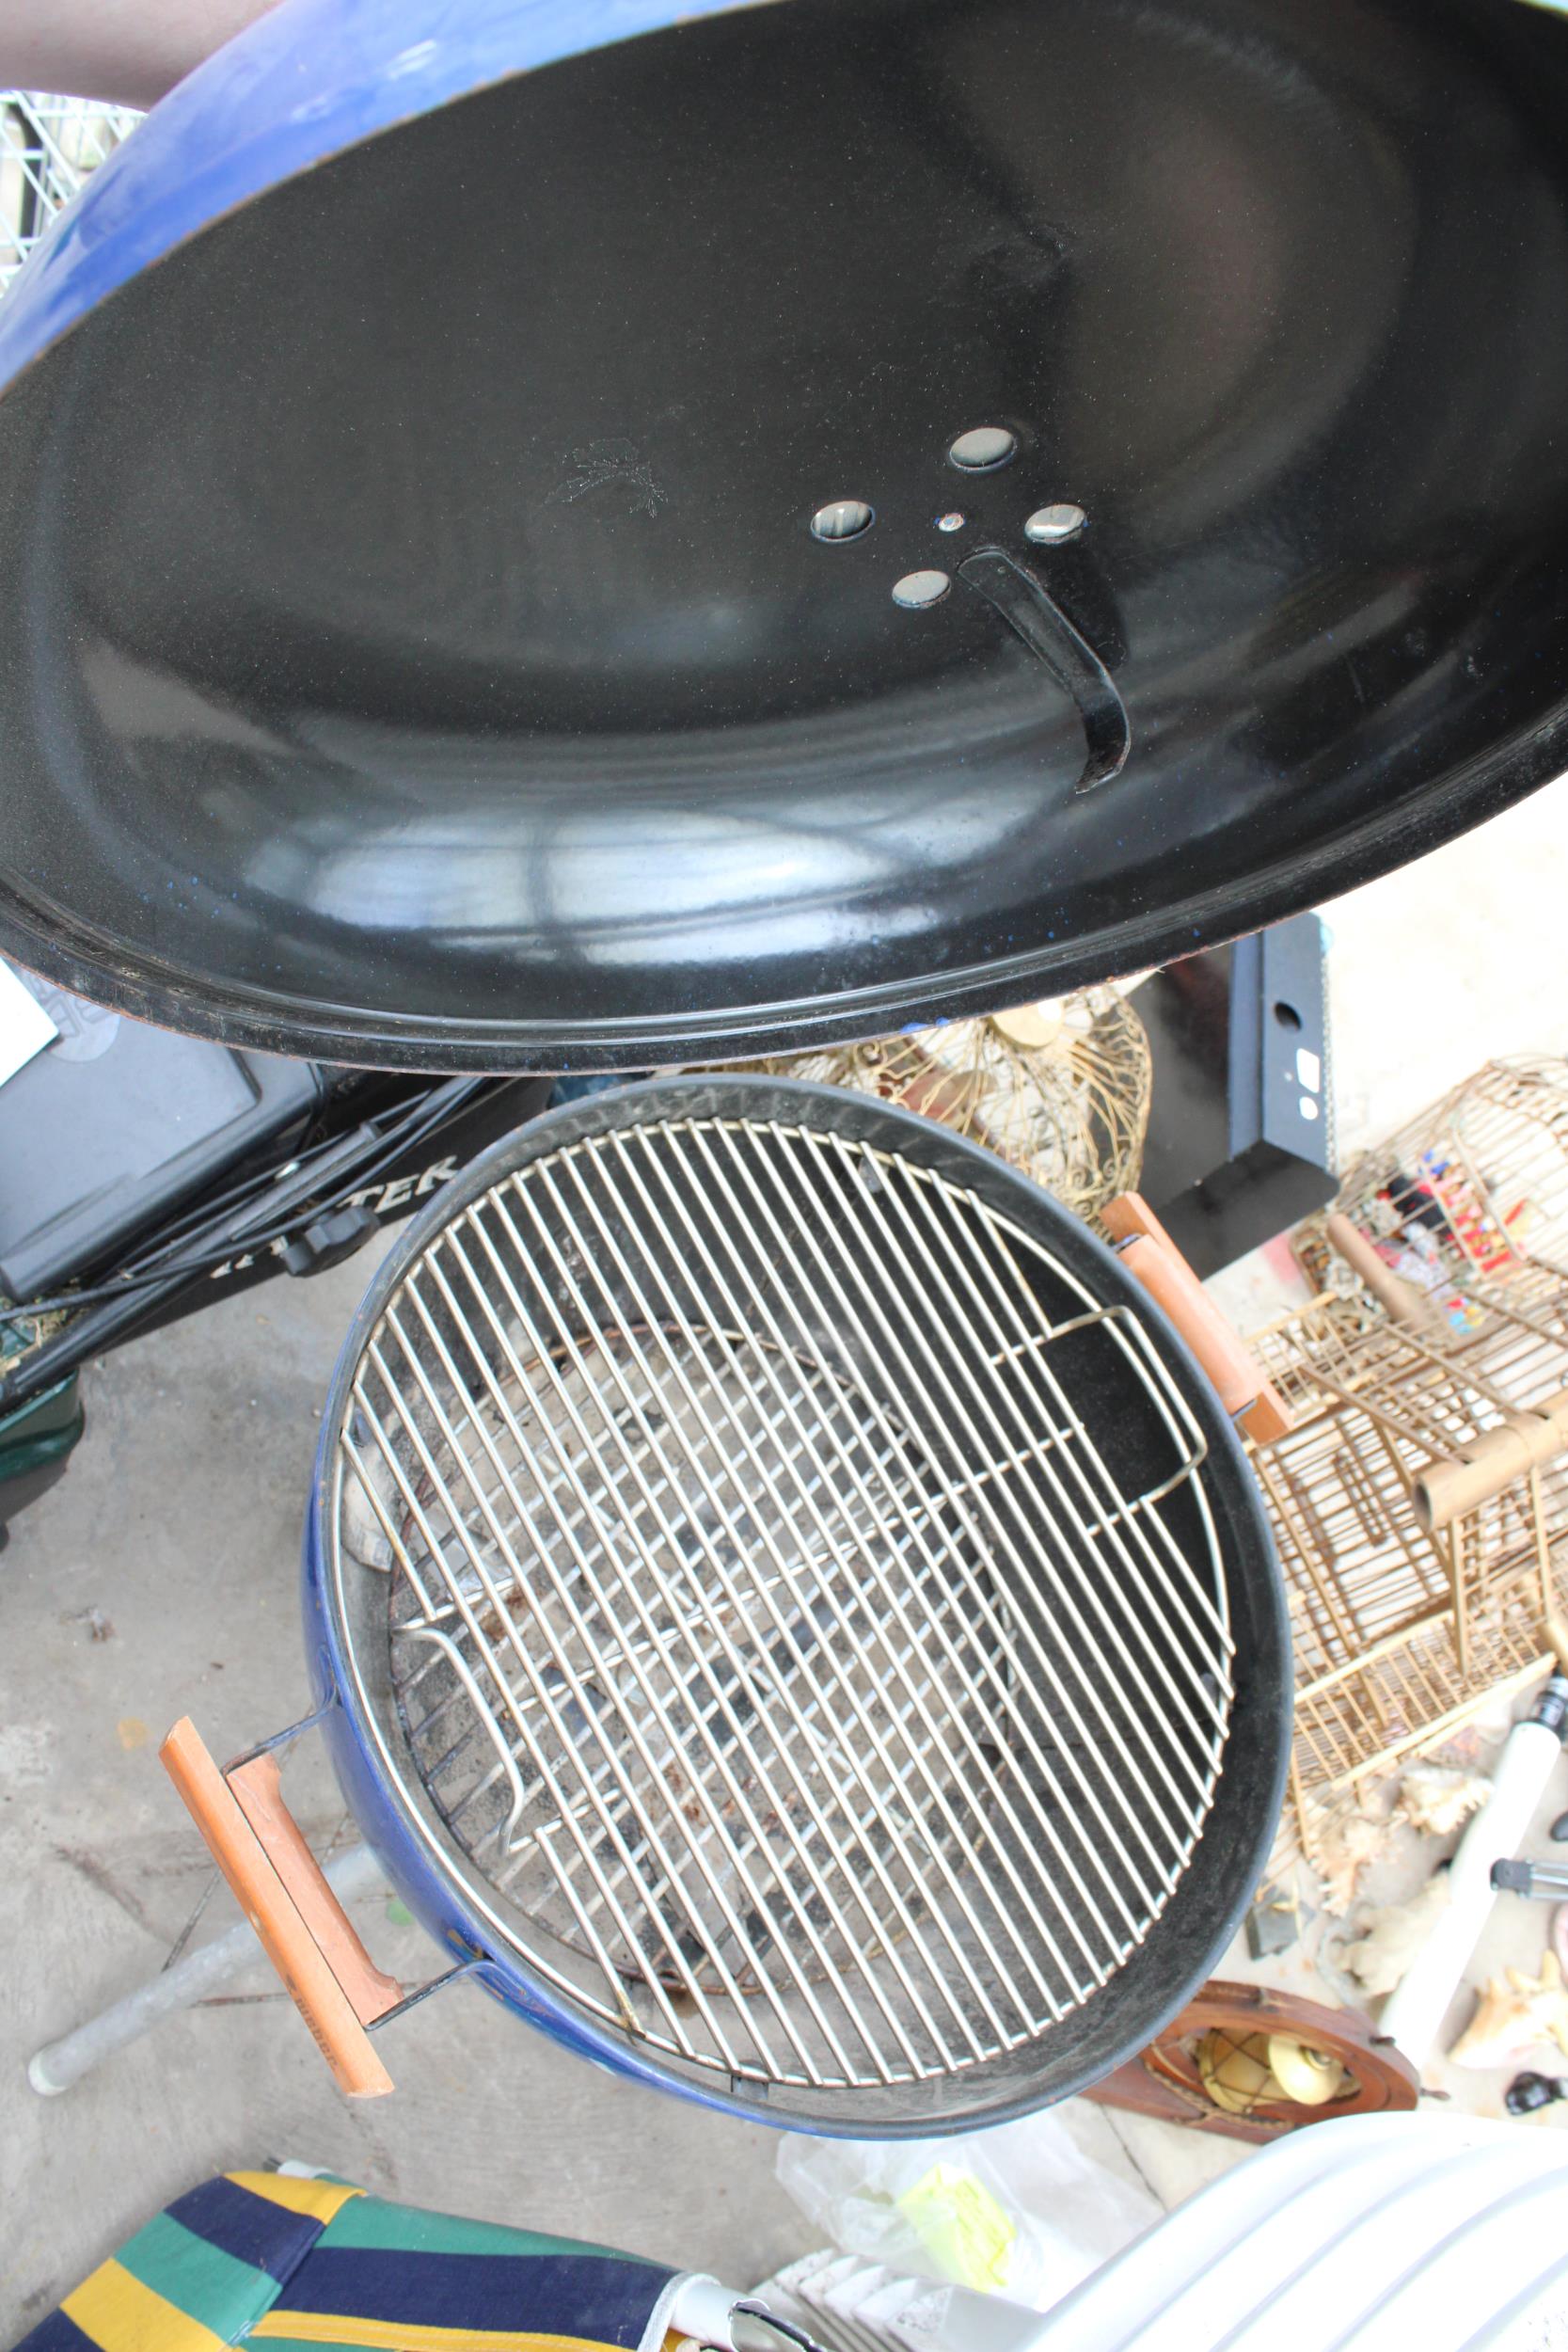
59	2065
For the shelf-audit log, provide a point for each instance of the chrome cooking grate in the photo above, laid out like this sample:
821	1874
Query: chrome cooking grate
804	1606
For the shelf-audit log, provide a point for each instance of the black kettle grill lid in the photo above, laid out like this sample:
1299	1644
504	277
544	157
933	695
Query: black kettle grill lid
813	518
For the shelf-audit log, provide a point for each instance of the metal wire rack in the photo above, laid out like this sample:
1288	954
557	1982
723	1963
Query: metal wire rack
825	1691
48	147
1059	1090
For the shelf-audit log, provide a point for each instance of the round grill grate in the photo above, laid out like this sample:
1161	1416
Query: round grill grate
802	1603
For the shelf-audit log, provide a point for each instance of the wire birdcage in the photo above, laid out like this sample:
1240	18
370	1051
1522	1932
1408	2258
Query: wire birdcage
1059	1090
1408	1612
1436	1350
1467	1202
47	148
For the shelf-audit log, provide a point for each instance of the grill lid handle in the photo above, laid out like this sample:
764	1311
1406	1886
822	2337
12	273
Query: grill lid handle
1148	1251
282	1890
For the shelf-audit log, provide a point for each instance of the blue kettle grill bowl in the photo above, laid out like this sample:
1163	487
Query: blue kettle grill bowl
793	1618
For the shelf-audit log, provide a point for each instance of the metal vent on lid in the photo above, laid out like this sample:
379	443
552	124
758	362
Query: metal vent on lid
584	538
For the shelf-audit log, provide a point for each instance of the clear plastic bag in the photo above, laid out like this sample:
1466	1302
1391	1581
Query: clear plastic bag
1020	2211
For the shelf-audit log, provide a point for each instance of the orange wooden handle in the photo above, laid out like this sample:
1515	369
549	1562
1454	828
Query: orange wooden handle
1149	1253
278	1884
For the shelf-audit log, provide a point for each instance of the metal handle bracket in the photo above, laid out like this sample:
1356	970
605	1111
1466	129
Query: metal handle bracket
283	1892
1023	603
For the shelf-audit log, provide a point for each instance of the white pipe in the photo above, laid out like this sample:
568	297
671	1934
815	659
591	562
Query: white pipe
55	2068
1414	2012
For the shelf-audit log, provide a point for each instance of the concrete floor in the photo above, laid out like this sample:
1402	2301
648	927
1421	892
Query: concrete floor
157	1580
179	1524
160	1579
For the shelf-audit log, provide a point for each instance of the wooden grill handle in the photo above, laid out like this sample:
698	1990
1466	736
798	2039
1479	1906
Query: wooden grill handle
1149	1253
280	1887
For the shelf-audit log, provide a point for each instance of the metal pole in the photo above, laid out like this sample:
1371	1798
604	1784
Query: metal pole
59	2065
1546	1881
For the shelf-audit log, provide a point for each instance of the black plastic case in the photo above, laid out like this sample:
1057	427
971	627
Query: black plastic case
112	1126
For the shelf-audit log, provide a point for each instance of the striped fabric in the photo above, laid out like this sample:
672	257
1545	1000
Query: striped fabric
308	2266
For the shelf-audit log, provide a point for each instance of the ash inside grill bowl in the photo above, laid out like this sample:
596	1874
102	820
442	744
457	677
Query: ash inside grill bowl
798	1605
